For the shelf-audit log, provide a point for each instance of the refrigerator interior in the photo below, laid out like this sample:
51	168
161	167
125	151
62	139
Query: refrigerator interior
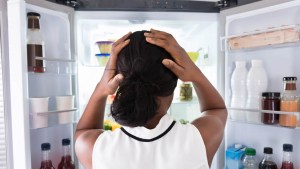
191	30
58	80
279	61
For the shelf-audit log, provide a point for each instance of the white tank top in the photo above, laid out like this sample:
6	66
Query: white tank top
169	145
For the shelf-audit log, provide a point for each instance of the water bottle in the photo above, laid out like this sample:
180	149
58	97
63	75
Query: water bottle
257	82
249	161
239	90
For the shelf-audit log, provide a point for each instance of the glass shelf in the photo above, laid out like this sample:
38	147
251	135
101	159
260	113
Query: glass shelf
244	121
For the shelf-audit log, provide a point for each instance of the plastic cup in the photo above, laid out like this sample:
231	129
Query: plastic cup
38	105
65	103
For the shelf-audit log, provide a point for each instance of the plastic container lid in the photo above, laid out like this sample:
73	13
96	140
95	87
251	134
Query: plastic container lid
105	42
102	55
46	146
250	151
271	94
288	147
268	150
65	142
289	78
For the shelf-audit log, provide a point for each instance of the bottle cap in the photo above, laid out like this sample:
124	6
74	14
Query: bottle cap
66	142
33	14
289	78
46	146
237	145
268	150
270	94
250	151
288	147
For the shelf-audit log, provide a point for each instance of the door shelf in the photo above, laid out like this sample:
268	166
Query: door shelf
275	37
260	113
52	118
55	112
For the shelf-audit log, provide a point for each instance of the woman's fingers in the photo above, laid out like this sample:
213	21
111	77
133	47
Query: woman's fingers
114	83
175	68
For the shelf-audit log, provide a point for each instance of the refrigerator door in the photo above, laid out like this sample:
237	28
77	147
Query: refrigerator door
255	24
32	128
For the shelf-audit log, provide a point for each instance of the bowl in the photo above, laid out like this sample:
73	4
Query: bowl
102	58
104	46
193	55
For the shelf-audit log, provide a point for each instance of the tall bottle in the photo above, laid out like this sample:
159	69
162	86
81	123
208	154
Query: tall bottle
257	82
289	103
35	44
46	162
239	90
287	162
267	162
249	161
66	160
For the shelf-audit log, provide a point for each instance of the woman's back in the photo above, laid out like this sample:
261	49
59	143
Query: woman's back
169	145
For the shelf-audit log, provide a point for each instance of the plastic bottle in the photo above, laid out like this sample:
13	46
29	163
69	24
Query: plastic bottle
35	44
267	162
249	161
239	90
289	103
257	82
66	160
46	162
287	162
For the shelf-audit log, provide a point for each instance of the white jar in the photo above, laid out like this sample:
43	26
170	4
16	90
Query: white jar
257	82
238	90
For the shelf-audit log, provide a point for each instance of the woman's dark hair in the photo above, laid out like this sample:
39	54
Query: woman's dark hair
145	78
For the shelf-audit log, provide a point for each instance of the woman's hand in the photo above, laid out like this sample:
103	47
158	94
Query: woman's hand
110	79
183	66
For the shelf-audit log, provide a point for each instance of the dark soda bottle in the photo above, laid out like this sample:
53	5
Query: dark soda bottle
267	162
46	162
287	157
66	160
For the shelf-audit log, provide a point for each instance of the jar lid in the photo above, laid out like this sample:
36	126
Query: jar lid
102	55
271	94
250	151
288	147
289	78
33	14
66	142
268	150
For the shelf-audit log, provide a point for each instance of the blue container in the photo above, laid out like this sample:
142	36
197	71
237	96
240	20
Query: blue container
234	155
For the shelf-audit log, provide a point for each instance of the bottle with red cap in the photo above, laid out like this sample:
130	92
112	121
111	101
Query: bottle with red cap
287	162
66	160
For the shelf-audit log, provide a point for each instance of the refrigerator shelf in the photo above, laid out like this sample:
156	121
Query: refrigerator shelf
262	124
55	59
54	112
264	111
271	37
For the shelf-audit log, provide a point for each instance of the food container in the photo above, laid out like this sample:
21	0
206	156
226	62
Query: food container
102	58
104	46
193	55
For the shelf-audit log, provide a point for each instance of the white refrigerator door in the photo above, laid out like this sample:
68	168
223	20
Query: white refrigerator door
279	61
59	79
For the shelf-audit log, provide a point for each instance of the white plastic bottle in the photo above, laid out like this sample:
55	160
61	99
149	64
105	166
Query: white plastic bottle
257	82
238	90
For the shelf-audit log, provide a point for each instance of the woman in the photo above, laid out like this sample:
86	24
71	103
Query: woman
143	69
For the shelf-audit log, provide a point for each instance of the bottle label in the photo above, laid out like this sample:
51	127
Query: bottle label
34	50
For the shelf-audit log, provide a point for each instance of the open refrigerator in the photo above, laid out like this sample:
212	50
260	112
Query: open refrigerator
72	67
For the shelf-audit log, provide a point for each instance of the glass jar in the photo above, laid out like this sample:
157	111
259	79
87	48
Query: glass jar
289	103
186	92
270	101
